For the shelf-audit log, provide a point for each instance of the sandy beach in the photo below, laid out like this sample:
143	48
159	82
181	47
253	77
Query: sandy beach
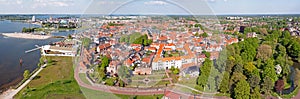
26	36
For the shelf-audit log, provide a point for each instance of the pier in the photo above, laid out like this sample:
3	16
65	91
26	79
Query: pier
38	47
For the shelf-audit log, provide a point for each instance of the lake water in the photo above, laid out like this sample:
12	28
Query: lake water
12	49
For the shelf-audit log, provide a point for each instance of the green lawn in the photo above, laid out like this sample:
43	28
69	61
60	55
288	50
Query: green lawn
82	76
93	94
54	82
188	82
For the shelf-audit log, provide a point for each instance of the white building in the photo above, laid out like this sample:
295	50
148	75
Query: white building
49	50
33	19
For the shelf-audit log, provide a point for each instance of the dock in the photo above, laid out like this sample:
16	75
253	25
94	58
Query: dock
38	47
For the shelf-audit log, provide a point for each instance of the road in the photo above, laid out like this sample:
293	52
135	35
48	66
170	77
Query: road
9	94
116	90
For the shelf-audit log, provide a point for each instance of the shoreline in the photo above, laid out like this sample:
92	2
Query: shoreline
7	86
26	36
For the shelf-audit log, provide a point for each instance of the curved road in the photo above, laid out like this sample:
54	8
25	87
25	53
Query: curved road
117	90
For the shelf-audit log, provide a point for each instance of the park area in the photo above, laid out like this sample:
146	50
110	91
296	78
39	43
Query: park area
55	81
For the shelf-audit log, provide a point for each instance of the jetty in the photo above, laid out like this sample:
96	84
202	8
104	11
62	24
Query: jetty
37	48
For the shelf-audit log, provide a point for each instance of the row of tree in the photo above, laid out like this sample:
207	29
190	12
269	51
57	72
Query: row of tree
247	69
26	30
136	38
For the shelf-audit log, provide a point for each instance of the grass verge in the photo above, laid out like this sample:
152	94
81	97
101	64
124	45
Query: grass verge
55	82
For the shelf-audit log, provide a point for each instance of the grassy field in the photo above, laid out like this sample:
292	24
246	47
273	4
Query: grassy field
93	94
53	82
82	76
188	82
155	80
56	82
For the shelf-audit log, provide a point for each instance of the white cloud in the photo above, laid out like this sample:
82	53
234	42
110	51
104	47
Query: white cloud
52	3
106	2
155	3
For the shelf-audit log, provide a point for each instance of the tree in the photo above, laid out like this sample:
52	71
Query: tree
176	71
238	68
110	81
255	94
269	70
101	73
286	34
294	49
247	30
242	90
267	85
224	86
263	31
207	54
204	35
196	34
254	81
134	36
279	85
297	76
236	77
26	74
204	73
249	68
248	53
104	61
69	36
230	62
264	52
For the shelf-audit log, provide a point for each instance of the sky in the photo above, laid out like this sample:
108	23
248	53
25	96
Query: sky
207	7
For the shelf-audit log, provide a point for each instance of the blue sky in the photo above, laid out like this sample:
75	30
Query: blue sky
150	6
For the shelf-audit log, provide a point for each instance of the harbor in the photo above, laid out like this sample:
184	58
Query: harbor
20	48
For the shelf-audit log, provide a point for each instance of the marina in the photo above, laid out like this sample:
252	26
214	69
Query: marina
19	50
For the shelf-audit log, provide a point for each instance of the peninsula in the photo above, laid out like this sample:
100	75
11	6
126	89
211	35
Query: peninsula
26	35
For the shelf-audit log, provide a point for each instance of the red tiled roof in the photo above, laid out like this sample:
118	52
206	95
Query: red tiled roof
137	49
163	38
129	62
152	48
103	46
136	45
167	49
146	60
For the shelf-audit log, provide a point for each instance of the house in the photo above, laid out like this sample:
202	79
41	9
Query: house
212	48
113	67
251	35
142	71
152	49
161	63
103	47
170	46
135	46
214	55
101	40
201	58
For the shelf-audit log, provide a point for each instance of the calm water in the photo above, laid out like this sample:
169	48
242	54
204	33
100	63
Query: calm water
10	27
12	49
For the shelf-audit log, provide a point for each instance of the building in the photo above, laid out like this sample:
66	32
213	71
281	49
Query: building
62	48
33	19
251	35
49	50
162	63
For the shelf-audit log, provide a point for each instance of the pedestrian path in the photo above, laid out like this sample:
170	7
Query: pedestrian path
9	94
